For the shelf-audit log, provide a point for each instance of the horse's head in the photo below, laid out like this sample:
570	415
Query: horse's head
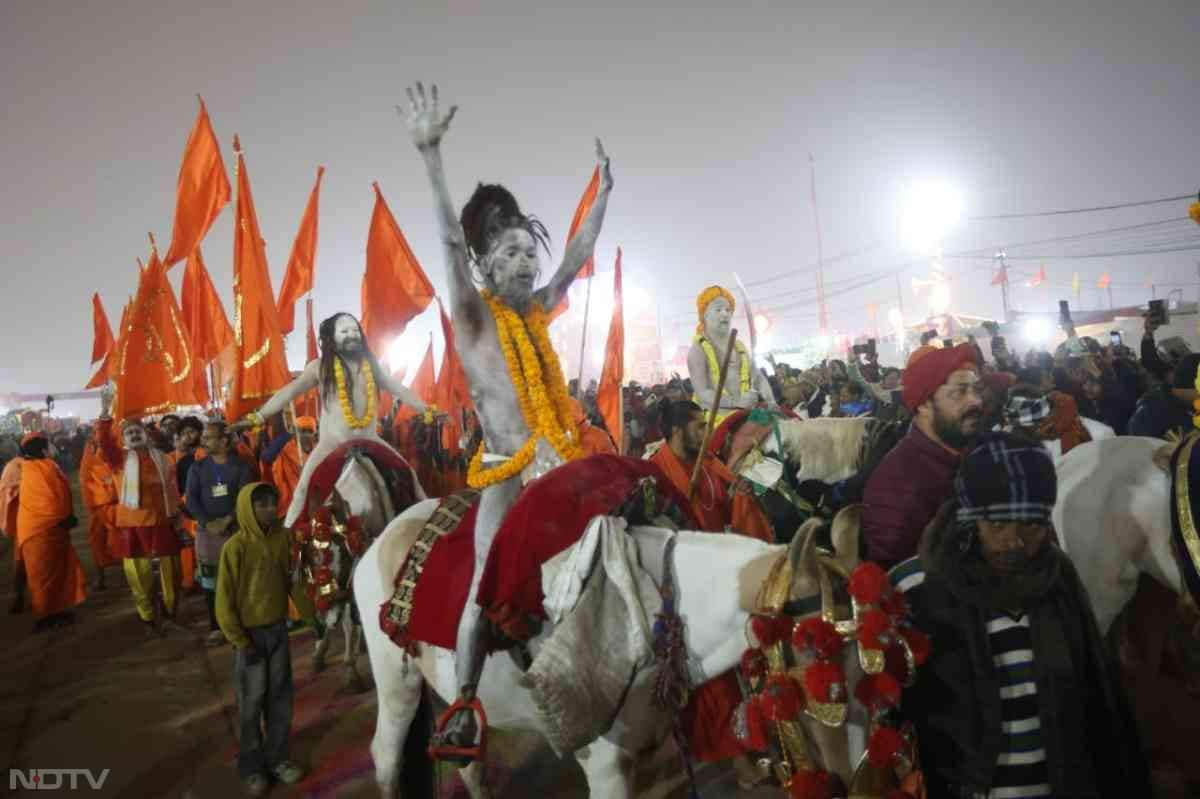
365	493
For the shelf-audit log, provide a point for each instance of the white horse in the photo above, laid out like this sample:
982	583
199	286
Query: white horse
365	494
1113	518
717	578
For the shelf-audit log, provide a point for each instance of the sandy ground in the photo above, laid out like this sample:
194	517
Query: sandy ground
160	714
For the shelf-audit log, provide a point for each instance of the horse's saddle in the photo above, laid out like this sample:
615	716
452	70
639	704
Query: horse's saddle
551	514
395	474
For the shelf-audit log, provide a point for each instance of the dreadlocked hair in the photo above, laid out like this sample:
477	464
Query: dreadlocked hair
492	210
329	352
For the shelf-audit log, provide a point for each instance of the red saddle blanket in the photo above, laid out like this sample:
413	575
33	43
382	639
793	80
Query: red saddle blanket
549	516
399	476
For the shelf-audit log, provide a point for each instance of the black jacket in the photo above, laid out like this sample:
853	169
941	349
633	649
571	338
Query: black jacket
1158	413
1092	747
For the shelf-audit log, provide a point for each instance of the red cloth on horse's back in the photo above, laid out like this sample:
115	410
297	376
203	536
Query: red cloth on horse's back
550	515
325	475
441	593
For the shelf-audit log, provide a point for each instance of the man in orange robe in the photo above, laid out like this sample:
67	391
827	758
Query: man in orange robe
147	517
592	440
285	456
718	505
56	580
10	490
100	497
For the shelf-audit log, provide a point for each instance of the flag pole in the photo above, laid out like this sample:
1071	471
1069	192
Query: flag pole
583	339
711	422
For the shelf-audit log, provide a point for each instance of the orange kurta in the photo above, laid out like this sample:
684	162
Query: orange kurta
56	578
148	530
10	489
100	497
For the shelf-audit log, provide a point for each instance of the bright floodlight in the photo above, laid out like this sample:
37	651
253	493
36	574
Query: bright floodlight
762	323
895	318
1038	331
930	208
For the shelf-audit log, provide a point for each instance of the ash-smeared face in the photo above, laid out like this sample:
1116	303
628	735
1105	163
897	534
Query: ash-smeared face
347	336
513	267
717	317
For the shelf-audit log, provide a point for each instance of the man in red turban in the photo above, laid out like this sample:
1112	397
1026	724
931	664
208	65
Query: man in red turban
942	390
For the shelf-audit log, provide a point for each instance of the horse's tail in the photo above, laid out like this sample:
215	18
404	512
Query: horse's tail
417	777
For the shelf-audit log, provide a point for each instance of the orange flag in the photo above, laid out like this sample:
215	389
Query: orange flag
203	316
155	368
314	351
394	288
581	211
608	395
203	189
302	263
260	364
102	339
452	393
423	384
1104	282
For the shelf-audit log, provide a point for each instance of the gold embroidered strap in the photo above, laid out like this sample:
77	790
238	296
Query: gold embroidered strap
397	611
1189	552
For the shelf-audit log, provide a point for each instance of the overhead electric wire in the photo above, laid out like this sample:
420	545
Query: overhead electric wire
1118	206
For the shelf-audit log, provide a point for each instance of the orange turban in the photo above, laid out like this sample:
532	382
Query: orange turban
928	368
306	423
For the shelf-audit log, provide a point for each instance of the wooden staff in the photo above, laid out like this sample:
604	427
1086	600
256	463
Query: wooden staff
712	416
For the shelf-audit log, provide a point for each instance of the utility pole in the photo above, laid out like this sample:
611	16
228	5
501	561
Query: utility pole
1002	257
899	296
822	315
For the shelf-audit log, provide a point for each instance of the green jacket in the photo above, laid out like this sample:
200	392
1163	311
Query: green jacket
254	580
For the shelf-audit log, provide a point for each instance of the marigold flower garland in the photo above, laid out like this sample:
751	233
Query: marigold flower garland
714	368
368	417
541	392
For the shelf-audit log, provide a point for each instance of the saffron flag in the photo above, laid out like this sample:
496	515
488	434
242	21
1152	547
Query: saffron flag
1104	282
204	317
423	384
998	279
259	364
608	395
581	211
155	370
103	343
394	288
202	192
1039	278
452	393
102	338
302	263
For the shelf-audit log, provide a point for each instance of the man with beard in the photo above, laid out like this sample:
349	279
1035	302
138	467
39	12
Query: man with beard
350	379
942	390
1019	697
514	374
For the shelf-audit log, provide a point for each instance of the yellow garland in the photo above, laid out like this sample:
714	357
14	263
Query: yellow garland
368	417
541	391
714	366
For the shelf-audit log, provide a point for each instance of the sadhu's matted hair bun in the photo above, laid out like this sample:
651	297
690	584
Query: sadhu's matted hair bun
492	210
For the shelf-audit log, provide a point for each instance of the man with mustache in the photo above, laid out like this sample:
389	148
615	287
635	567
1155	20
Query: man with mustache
1019	697
942	390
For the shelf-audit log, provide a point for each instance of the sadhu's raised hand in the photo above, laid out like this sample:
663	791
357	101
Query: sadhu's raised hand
602	161
426	123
